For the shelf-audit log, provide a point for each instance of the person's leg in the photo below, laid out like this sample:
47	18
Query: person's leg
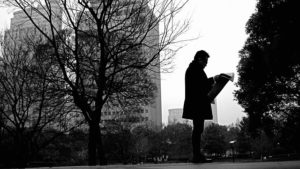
196	138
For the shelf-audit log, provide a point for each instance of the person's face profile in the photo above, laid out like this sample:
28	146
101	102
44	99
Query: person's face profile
202	61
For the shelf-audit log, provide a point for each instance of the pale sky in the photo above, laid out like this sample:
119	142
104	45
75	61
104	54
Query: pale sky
220	28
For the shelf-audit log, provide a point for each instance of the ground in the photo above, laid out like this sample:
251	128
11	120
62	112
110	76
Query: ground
213	165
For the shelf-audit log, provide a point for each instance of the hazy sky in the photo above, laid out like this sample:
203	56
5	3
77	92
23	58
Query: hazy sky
220	28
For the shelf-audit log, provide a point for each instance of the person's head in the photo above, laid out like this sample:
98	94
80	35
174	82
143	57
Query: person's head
201	57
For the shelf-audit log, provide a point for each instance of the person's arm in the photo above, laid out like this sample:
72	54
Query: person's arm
211	82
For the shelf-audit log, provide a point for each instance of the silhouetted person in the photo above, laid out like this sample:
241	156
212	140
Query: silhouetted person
197	104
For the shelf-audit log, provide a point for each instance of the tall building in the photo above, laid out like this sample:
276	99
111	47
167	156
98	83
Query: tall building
151	113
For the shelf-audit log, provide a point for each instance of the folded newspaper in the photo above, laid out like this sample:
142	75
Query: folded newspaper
219	85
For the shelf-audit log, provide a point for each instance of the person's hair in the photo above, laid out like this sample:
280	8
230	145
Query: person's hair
201	54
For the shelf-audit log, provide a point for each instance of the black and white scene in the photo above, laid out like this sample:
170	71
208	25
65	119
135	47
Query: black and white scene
161	84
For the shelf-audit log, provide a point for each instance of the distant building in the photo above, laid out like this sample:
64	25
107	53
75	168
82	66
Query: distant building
214	112
175	116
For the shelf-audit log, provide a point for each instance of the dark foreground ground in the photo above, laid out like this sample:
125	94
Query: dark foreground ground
213	165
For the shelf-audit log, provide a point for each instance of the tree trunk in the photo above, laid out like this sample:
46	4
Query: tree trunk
92	144
100	148
21	151
95	145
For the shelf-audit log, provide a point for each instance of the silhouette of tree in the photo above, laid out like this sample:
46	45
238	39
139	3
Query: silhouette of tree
118	141
244	138
214	139
269	66
177	139
33	112
106	51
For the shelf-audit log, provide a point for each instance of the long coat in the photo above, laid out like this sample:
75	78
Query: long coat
197	105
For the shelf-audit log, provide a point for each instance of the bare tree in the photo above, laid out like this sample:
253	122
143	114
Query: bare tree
109	52
33	112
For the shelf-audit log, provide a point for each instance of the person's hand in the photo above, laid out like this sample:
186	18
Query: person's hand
216	78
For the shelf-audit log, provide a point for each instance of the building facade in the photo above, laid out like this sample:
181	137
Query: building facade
22	28
152	113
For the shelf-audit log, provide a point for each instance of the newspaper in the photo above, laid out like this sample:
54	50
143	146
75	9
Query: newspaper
219	85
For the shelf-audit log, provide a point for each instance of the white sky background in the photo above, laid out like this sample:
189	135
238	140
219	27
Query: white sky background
220	28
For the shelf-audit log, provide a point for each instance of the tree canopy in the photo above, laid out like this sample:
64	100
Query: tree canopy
269	66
